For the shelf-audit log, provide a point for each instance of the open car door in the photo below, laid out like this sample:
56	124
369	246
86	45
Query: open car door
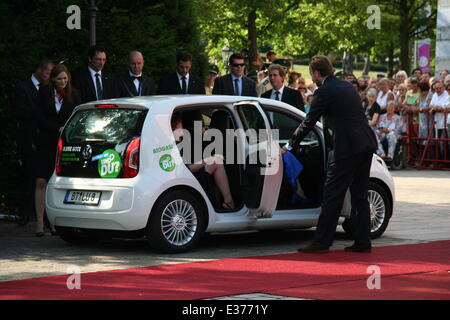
259	152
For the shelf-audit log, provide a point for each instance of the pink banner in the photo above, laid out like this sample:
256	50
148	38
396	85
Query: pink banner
424	55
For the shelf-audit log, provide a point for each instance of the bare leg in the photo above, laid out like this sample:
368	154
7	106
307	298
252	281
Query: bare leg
221	180
41	185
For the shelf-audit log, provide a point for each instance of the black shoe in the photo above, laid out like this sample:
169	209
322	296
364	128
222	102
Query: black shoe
23	220
40	234
314	247
359	248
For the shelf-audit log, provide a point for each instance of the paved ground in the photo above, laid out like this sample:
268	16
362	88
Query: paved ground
422	214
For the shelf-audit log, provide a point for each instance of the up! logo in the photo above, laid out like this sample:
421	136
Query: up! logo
167	163
110	166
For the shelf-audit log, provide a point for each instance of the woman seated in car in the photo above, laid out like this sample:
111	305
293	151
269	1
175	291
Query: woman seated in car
389	128
205	170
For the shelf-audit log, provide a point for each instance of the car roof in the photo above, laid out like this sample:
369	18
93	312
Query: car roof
184	98
187	99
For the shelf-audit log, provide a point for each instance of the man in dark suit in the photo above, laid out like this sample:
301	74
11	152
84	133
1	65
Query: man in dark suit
235	84
92	83
25	97
133	83
279	91
349	162
182	81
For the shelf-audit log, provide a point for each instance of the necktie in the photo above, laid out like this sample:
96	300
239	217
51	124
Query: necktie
61	95
277	95
183	85
99	87
236	87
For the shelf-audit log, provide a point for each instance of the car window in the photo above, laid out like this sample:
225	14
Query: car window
252	120
286	125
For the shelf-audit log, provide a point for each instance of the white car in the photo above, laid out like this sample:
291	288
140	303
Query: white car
120	173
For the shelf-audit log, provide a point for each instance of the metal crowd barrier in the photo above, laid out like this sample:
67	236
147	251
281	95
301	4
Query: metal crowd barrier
431	152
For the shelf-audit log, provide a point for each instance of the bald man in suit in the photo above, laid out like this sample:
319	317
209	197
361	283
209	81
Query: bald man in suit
133	82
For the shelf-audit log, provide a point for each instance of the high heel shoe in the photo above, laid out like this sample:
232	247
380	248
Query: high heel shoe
228	206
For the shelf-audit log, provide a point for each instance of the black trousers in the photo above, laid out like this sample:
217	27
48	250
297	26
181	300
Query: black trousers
353	173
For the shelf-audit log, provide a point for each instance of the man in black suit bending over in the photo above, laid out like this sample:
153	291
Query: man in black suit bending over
349	162
92	83
182	81
133	83
280	92
235	84
25	97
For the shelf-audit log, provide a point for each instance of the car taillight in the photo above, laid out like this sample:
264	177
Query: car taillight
131	167
58	157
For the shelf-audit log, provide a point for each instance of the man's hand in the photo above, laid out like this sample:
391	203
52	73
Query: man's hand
284	151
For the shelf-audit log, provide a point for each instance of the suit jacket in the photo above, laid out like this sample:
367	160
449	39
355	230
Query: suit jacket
83	82
224	85
25	97
290	96
124	86
340	104
49	121
171	85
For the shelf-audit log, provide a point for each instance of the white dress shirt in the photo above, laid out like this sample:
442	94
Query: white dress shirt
35	82
180	80
58	104
93	72
136	82
274	96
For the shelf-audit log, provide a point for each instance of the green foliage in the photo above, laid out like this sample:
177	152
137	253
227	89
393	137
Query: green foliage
308	27
31	30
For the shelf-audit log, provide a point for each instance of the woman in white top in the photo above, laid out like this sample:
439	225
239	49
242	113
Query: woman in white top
389	128
384	95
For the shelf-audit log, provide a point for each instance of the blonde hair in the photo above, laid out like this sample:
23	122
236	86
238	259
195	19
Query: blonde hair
281	69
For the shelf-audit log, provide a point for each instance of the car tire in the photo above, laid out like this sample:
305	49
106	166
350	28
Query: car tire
177	222
75	236
380	212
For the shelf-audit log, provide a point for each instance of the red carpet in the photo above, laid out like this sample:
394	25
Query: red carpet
416	271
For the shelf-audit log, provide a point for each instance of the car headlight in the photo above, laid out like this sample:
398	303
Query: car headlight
381	161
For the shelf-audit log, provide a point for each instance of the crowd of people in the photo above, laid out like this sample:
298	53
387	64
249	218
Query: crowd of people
417	106
44	102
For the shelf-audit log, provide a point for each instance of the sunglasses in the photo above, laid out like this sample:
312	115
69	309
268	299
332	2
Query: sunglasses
238	64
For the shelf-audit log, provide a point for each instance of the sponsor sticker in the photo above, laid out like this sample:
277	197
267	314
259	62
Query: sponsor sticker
109	167
163	149
69	157
167	163
100	156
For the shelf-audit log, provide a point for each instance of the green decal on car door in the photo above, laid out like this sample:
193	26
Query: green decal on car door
167	163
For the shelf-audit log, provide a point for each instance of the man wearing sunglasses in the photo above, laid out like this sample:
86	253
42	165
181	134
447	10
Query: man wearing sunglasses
235	84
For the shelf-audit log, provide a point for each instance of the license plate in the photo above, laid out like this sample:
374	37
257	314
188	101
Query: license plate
82	197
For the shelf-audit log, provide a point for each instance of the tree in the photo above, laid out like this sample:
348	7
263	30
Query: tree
414	20
37	29
241	24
